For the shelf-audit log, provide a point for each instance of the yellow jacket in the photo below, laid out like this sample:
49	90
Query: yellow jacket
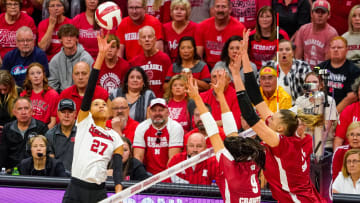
284	100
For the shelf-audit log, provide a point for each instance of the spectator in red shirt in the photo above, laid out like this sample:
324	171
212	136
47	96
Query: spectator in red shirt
160	9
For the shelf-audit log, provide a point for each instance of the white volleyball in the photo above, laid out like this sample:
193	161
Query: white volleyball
108	15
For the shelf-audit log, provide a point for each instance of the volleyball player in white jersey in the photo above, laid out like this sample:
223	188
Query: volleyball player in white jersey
95	144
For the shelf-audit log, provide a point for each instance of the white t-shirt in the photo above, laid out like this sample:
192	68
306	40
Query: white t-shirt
345	185
93	149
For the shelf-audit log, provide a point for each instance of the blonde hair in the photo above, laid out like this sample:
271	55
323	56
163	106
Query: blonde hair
168	93
352	126
347	154
157	4
8	81
352	11
311	120
184	3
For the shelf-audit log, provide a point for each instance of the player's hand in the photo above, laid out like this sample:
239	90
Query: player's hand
103	45
118	188
192	87
245	42
219	87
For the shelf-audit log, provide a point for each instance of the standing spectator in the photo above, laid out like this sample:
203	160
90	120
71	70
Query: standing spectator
160	9
313	39
154	62
353	36
262	44
339	16
348	180
88	29
271	93
114	68
292	14
292	71
200	10
8	94
10	22
137	93
76	92
61	65
158	138
212	33
179	27
245	11
44	99
48	28
61	137
17	60
17	133
128	30
189	62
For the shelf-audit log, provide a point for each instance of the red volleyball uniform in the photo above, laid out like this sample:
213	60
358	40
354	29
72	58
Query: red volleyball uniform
171	38
155	67
129	130
112	78
338	158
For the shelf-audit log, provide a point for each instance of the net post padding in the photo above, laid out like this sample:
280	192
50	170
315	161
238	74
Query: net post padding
143	185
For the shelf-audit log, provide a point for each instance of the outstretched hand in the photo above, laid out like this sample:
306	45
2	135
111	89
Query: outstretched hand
192	87
219	87
245	42
103	45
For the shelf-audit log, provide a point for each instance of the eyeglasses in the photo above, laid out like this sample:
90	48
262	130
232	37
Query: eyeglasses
352	161
158	134
120	108
56	5
353	135
25	40
135	8
12	4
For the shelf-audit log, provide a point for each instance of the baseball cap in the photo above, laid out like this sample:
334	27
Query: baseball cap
322	4
267	70
66	104
158	101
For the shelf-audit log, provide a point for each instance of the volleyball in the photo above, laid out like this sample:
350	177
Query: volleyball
108	15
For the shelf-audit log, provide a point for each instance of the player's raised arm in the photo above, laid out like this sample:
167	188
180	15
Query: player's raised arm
90	89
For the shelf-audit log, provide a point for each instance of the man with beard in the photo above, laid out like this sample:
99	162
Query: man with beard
158	138
121	121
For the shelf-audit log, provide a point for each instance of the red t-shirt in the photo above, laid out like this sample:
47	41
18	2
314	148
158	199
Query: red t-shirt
45	106
112	78
128	33
245	11
163	14
72	93
155	67
55	45
287	171
213	40
178	112
129	130
350	114
200	71
241	179
338	158
8	32
208	143
171	38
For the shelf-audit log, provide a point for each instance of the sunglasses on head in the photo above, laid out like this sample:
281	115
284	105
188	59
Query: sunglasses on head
158	134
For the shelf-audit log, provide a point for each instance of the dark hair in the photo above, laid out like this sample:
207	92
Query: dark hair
144	77
27	83
22	98
127	164
178	59
225	51
243	148
68	30
258	34
290	119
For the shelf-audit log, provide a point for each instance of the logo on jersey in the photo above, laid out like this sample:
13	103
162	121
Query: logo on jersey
175	113
97	133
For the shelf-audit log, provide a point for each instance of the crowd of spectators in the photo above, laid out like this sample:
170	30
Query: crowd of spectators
313	63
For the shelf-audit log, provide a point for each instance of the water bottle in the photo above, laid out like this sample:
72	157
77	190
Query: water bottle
213	183
3	171
15	172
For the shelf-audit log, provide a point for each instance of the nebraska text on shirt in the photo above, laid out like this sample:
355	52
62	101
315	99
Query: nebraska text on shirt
132	36
264	47
315	42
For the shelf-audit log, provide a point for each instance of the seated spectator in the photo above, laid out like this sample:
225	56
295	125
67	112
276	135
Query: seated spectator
121	121
154	62
179	27
271	92
262	41
313	39
189	62
25	53
48	39
44	99
202	173
353	135
114	68
158	138
17	133
292	71
61	65
61	137
353	36
348	179
76	92
177	100
137	93
133	169
40	163
160	9
10	22
8	94
342	74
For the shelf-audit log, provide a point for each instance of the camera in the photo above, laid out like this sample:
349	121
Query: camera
310	87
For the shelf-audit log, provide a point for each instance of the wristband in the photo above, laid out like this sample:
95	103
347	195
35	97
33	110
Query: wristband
252	88
247	110
117	172
209	124
229	123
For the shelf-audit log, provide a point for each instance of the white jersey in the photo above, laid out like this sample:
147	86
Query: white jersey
93	149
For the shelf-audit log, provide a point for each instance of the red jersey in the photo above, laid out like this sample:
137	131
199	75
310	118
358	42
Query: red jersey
55	45
171	38
213	40
8	32
155	67
287	171
178	112
230	96
163	13
128	33
208	143
245	11
72	93
350	114
157	143
337	161
112	78
129	130
200	71
241	179
202	173
43	107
